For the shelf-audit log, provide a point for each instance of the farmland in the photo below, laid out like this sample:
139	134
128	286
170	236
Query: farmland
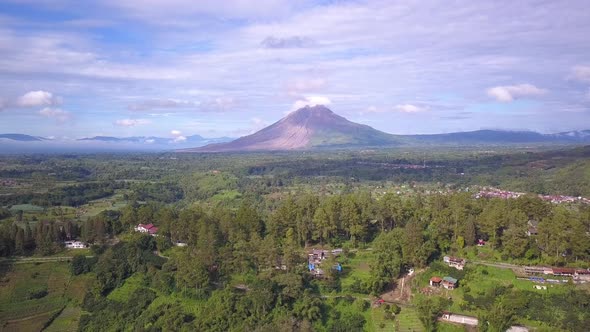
31	294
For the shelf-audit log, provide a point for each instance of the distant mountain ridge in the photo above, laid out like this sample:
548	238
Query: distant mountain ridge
157	140
21	143
319	127
314	127
22	137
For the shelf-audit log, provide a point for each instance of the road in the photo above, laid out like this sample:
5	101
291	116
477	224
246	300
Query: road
28	260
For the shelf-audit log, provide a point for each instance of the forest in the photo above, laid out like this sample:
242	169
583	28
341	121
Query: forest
234	234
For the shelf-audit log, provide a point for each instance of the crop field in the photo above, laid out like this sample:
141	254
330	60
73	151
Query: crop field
31	294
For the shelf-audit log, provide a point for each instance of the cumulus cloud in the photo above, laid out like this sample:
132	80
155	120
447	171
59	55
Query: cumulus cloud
55	113
287	42
310	101
581	73
509	93
38	98
131	122
178	137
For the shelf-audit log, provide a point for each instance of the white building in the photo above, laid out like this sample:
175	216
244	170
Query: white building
75	245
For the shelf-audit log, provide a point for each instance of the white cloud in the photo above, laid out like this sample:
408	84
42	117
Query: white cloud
150	141
287	42
131	122
179	139
38	98
408	108
218	104
58	114
509	93
403	108
297	86
310	101
581	73
155	104
176	132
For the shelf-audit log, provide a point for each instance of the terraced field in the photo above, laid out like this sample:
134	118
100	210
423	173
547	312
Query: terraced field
33	294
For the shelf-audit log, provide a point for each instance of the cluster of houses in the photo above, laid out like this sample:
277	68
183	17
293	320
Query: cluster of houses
148	228
505	194
564	199
315	259
458	263
7	183
446	282
577	274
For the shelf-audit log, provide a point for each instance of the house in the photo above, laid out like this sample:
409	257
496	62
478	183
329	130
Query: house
458	263
435	281
315	258
481	243
75	245
148	228
582	274
459	319
532	228
449	283
563	271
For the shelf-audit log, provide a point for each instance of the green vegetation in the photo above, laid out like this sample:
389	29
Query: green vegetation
249	221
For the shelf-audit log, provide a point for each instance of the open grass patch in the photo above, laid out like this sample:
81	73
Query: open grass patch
122	294
407	320
67	321
28	208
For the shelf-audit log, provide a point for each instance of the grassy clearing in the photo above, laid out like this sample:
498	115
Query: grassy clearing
226	195
355	267
122	294
93	208
67	321
30	208
407	320
377	321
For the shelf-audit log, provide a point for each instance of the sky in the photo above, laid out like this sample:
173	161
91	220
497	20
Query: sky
73	69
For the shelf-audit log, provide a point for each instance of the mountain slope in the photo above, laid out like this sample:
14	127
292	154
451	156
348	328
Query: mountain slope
22	137
307	127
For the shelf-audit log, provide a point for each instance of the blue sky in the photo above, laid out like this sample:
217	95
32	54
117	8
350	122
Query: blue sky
72	69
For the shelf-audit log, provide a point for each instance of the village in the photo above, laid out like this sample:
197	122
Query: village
488	192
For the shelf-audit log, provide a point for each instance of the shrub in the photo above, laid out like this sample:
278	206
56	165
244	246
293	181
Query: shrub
37	293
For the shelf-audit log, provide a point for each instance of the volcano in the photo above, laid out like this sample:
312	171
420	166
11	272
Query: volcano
308	127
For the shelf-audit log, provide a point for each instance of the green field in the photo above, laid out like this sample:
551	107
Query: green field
67	321
27	208
20	310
